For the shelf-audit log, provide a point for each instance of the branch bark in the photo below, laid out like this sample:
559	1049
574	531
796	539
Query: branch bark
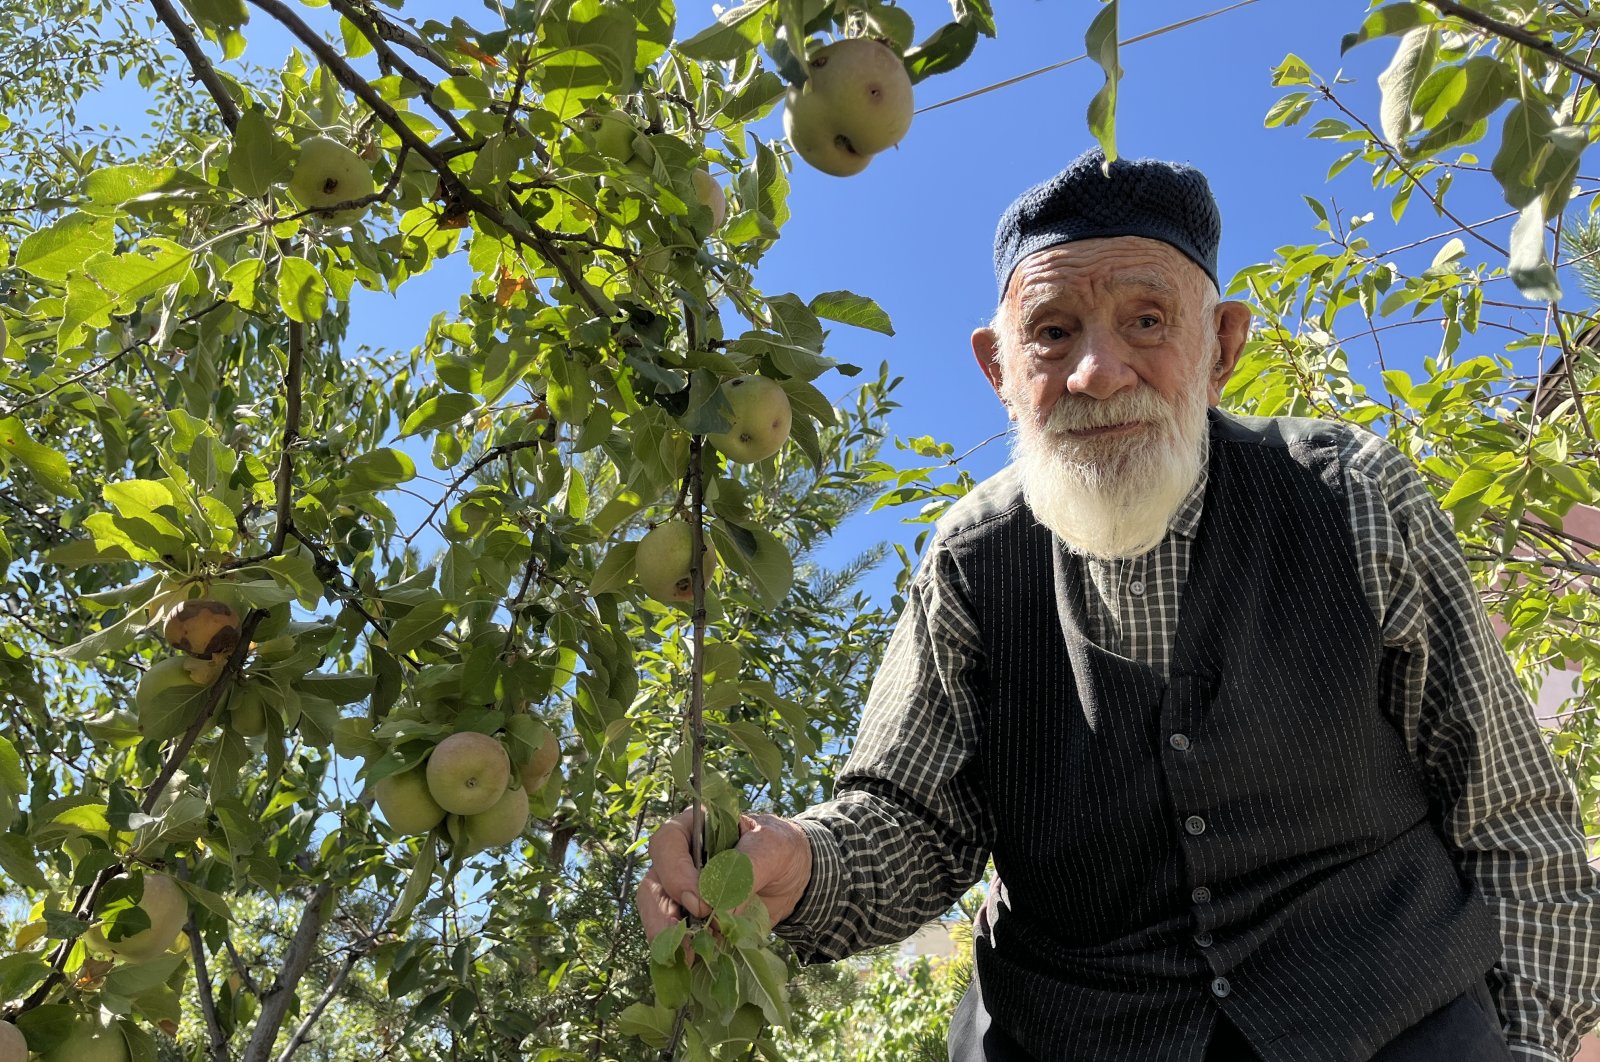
520	230
276	1001
208	1002
204	72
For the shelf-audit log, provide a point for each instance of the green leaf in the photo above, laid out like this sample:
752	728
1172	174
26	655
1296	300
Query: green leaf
19	862
417	881
1530	269
258	158
762	749
762	977
1388	21
49	253
847	307
1412	62
49	468
130	979
652	1024
301	290
615	573
377	470
1101	44
945	49
423	622
735	32
342	688
437	412
727	880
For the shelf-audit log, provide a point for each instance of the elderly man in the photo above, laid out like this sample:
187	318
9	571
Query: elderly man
1215	692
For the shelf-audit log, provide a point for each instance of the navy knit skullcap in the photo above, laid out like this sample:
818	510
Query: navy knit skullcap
1164	201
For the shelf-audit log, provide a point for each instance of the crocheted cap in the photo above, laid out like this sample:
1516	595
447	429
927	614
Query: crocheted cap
1164	201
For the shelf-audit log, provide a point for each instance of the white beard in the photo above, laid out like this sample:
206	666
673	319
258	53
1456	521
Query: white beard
1113	497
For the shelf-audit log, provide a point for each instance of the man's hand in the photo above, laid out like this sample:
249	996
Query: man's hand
779	854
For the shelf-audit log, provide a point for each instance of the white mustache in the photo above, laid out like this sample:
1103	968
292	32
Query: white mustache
1078	414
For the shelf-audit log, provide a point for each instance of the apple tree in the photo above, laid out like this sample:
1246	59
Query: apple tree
340	685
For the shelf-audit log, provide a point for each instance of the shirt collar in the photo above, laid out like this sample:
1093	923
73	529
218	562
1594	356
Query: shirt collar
1186	521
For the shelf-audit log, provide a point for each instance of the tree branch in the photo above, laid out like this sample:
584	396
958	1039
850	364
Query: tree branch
519	230
353	955
1517	35
276	1001
208	1003
204	72
365	22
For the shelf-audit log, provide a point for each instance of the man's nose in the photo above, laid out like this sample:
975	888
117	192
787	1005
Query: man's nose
1101	367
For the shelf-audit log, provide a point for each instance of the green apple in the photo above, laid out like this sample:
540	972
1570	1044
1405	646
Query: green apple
93	1038
612	134
468	773
806	125
13	1045
761	419
202	627
327	174
164	904
711	194
501	824
662	561
857	101
247	713
175	672
407	804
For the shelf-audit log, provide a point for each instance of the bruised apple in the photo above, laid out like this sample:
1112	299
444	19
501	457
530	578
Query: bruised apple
328	174
662	561
857	101
202	627
761	419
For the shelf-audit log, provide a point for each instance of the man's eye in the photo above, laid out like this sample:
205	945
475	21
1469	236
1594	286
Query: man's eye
1149	320
1053	333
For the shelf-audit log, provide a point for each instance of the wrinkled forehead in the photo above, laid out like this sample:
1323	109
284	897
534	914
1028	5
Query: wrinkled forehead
1106	268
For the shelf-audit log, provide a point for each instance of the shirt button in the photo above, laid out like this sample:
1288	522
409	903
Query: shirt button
1195	825
1201	895
1220	987
1136	587
1179	741
1203	940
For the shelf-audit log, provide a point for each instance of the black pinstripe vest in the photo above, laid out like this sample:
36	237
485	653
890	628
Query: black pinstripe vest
1250	834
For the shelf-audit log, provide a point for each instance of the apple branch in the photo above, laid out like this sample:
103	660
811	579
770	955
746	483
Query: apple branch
276	1001
208	1002
1516	35
353	955
387	57
490	455
518	229
204	72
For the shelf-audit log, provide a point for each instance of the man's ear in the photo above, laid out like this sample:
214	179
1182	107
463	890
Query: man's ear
1232	324
986	348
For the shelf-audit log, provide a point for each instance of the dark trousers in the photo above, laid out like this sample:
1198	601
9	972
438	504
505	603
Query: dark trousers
1467	1029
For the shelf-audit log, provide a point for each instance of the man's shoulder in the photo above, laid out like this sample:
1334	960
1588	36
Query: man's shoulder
993	503
1350	448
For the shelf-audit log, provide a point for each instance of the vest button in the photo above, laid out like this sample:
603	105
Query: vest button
1136	587
1179	742
1203	940
1201	895
1195	825
1220	987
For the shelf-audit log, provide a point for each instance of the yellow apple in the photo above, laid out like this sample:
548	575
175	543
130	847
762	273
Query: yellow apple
711	194
468	773
167	909
327	174
662	561
806	125
13	1045
760	422
501	824
612	134
406	802
202	627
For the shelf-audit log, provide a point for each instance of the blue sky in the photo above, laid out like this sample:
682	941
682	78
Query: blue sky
914	231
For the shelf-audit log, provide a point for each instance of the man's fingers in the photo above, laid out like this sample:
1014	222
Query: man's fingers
671	864
657	910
